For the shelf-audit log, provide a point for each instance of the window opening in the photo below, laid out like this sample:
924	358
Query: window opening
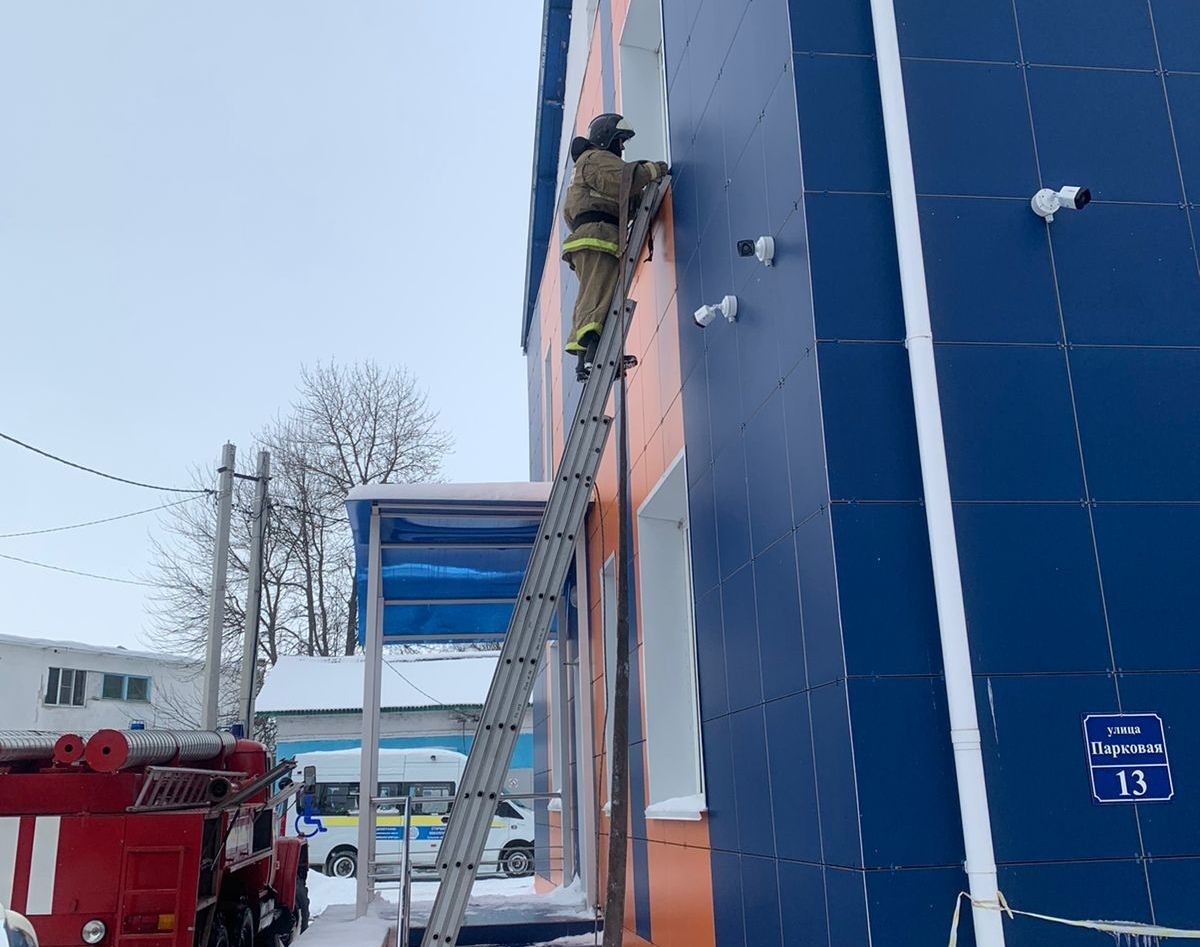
644	82
124	687
547	421
608	617
673	749
65	687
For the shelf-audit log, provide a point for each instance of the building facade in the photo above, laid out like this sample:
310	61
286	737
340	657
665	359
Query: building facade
792	773
66	686
315	703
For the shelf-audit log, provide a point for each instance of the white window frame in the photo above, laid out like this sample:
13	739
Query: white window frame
77	674
557	707
585	763
643	82
125	679
547	419
583	21
675	766
608	624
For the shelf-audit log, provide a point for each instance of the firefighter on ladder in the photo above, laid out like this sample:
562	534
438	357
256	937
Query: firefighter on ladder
593	214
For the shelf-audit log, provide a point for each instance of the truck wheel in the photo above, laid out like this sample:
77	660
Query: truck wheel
218	936
517	860
245	928
302	904
342	863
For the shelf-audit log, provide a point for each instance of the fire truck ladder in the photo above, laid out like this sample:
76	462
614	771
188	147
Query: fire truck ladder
174	787
538	601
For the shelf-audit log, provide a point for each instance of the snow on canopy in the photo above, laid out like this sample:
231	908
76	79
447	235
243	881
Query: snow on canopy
299	683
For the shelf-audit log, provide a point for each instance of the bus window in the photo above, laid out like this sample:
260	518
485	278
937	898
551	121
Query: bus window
391	791
337	799
506	810
431	798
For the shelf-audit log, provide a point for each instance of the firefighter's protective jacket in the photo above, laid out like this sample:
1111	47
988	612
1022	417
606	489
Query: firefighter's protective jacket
595	191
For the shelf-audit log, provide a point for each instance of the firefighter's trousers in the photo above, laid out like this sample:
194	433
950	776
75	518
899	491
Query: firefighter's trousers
597	272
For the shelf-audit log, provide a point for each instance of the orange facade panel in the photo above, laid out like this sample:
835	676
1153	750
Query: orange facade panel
679	875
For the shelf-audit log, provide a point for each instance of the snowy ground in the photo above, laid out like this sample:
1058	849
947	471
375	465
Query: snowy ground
331	897
323	891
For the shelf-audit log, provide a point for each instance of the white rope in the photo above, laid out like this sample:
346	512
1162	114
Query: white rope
1130	928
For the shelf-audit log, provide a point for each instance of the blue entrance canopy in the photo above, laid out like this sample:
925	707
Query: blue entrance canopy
451	555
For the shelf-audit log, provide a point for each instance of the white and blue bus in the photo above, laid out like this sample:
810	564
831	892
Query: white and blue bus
430	776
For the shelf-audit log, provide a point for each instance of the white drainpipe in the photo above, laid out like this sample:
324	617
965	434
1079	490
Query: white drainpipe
939	514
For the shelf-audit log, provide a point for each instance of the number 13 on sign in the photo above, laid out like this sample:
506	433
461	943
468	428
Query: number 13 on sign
1139	782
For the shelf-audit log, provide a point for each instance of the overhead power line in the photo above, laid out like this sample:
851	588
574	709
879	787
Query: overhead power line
107	519
100	473
389	666
89	575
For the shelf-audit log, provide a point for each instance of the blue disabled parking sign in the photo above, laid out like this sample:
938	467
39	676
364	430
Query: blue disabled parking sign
1127	758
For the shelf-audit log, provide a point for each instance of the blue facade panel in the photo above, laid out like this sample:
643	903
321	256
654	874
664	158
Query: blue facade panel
856	277
885	580
1068	372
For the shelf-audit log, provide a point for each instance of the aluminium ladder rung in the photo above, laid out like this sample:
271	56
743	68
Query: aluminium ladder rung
508	696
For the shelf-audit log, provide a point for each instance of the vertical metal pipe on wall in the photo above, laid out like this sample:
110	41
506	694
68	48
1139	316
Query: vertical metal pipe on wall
939	513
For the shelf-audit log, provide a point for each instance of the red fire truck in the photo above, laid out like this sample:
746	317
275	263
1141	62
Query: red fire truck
154	838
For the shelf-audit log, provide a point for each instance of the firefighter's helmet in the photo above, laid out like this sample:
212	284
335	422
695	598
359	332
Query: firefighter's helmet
609	132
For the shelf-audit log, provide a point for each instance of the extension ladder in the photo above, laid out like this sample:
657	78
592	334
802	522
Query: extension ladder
516	671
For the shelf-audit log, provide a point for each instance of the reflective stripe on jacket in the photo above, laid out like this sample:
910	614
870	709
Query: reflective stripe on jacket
596	187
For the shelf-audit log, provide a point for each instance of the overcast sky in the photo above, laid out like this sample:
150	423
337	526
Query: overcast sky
199	196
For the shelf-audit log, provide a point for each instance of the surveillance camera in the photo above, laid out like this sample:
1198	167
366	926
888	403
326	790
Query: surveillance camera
763	248
727	307
1075	198
1046	203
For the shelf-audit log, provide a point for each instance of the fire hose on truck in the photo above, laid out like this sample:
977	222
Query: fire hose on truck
159	838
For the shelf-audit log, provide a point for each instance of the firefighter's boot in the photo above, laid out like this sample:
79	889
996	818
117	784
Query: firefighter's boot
591	342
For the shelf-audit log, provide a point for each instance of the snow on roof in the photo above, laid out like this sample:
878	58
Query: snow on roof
300	683
48	644
336	765
385	753
520	491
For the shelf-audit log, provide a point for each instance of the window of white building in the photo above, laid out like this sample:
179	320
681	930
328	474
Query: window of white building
65	687
125	687
644	82
676	783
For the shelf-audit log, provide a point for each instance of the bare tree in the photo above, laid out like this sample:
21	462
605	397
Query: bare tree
349	425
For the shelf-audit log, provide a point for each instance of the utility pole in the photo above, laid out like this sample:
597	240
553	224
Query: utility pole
254	592
216	602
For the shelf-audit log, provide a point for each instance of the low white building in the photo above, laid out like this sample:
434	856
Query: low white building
315	703
70	687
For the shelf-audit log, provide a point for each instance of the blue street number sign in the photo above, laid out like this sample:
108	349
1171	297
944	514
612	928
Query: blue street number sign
1127	758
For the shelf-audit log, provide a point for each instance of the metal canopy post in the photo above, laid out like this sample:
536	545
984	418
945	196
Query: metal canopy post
369	766
537	603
